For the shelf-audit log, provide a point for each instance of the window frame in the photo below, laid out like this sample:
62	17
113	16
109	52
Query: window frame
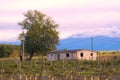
91	54
67	55
81	54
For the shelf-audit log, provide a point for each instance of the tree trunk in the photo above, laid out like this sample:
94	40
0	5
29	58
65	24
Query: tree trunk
21	51
21	55
21	59
31	55
41	69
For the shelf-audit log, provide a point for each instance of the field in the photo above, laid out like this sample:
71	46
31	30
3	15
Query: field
104	68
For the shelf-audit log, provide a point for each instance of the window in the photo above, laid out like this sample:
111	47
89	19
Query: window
91	54
81	54
58	56
67	55
51	54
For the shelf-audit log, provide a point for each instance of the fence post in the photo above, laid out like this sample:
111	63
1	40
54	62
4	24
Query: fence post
2	75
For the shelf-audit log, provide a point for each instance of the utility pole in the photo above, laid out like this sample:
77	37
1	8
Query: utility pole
23	49
23	45
92	47
92	44
22	38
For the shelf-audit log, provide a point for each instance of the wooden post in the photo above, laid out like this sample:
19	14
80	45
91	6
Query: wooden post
85	78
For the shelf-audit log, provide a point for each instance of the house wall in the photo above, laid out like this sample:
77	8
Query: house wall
74	55
62	56
86	55
52	57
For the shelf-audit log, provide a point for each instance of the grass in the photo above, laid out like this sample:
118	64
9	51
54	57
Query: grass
68	68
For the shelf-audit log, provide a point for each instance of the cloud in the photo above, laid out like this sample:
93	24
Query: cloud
9	26
85	17
107	31
9	35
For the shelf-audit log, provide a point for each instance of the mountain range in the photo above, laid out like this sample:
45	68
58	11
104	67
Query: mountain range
95	43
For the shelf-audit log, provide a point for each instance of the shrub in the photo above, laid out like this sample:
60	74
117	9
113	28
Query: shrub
5	50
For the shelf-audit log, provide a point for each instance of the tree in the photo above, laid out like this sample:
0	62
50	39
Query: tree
5	50
41	34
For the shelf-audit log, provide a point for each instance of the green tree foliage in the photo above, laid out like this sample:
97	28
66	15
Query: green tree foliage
16	51
5	50
41	35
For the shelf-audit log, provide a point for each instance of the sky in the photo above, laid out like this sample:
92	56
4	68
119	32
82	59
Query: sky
76	18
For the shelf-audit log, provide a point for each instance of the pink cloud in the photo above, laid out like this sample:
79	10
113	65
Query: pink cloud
9	35
74	16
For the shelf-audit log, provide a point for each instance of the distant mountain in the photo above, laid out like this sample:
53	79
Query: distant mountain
12	43
99	43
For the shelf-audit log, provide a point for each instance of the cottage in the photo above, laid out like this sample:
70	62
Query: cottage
72	54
